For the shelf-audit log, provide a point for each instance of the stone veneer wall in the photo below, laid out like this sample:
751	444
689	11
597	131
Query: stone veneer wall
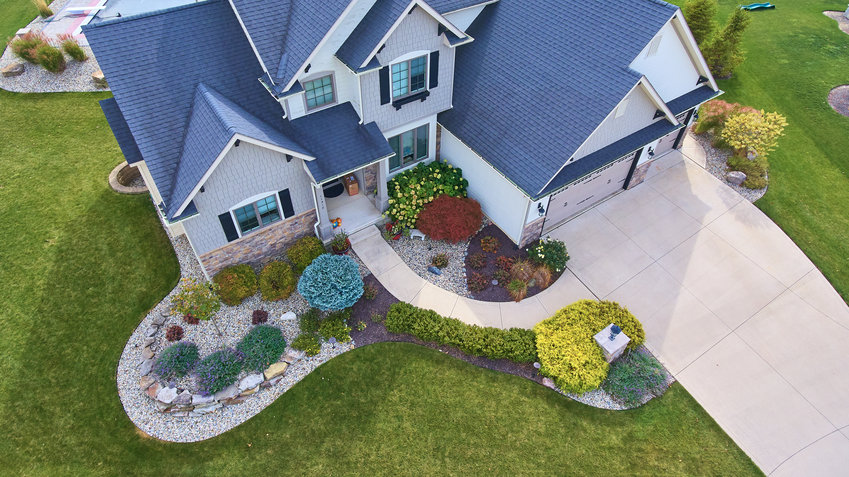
532	232
260	246
438	140
639	174
370	174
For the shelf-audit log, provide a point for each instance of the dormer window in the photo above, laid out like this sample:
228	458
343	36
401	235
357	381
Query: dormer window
409	77
319	92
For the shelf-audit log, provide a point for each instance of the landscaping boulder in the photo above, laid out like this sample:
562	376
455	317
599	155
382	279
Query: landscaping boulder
160	320
99	79
198	399
148	342
147	353
151	331
229	392
289	316
13	69
736	177
146	367
153	390
146	382
275	370
207	409
184	397
166	395
250	381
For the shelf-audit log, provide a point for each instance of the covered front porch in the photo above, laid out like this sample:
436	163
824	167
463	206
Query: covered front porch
352	202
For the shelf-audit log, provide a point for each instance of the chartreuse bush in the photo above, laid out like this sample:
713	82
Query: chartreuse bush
263	345
304	251
235	283
277	281
335	325
567	351
515	344
410	190
331	282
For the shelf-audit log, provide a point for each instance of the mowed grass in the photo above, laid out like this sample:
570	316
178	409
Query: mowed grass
81	265
795	56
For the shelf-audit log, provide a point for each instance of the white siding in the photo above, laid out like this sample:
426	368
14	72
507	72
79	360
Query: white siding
462	19
431	143
639	113
671	70
246	171
500	200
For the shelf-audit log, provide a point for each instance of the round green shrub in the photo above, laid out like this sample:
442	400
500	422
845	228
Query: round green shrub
335	325
308	343
331	282
277	281
634	377
304	251
567	351
218	370
176	360
410	190
310	321
551	253
263	345
235	283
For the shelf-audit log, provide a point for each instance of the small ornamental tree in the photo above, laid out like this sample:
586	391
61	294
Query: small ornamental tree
197	299
700	16
724	53
331	282
756	132
450	218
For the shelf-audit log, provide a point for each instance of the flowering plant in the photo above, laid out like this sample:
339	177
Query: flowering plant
176	360
219	370
551	253
410	190
196	298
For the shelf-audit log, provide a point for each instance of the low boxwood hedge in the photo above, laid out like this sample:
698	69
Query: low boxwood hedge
567	351
235	283
515	344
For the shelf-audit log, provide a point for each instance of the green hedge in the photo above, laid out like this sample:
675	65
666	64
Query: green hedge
235	283
515	344
567	351
304	251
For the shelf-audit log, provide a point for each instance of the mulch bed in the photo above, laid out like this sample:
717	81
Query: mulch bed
838	98
375	332
506	248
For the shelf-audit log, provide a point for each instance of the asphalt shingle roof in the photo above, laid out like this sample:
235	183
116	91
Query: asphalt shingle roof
558	68
155	61
121	130
351	146
214	121
693	98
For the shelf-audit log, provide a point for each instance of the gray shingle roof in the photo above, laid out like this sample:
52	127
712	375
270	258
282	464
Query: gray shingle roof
693	98
351	146
155	61
377	22
560	67
121	130
214	121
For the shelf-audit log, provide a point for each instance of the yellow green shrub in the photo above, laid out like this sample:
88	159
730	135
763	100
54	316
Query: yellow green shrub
566	348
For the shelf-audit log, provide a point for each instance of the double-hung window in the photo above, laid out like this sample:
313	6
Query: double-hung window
257	214
319	92
409	147
409	77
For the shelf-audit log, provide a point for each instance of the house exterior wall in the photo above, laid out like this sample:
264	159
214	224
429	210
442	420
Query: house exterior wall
431	147
417	32
500	200
246	171
462	19
639	113
671	70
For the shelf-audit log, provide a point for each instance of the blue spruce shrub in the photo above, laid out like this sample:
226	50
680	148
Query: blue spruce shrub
331	282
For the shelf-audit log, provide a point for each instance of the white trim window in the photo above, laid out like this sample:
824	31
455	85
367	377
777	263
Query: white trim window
410	147
319	92
257	215
409	77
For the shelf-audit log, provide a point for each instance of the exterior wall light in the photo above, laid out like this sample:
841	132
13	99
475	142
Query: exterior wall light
540	209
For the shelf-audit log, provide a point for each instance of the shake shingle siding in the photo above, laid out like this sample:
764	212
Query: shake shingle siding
558	68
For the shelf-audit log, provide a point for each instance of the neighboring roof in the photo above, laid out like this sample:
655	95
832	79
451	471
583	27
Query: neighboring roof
154	63
691	99
373	27
608	154
286	32
560	93
121	130
339	142
213	122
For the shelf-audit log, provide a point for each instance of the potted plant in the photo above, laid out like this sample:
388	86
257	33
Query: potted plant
340	243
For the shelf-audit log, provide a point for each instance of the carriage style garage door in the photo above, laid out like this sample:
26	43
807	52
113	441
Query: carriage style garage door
587	191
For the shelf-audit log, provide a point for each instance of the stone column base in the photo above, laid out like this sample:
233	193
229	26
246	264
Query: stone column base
640	174
532	232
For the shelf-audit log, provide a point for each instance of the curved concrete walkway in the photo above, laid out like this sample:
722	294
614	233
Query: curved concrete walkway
730	305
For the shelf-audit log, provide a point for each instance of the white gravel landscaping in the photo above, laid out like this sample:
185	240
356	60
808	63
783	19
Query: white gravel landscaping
717	164
418	253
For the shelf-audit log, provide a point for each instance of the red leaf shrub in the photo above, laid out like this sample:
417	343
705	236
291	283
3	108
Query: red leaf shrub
191	319
259	317
450	218
478	282
174	333
477	261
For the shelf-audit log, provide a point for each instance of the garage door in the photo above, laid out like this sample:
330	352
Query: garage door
587	191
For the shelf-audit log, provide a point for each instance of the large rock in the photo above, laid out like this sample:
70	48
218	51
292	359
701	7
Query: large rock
250	381
736	177
198	399
229	392
208	409
13	69
148	342
153	390
288	316
248	392
275	370
147	353
167	395
293	355
151	331
99	79
146	382
160	320
146	367
184	397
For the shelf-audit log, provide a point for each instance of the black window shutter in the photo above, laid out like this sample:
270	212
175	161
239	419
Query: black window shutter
229	227
434	69
384	85
286	204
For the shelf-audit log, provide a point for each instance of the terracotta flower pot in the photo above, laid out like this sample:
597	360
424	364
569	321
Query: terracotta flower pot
343	251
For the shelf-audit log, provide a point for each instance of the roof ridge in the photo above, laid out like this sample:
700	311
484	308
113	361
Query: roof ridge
143	15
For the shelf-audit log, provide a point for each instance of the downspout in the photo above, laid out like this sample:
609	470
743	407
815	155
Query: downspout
317	214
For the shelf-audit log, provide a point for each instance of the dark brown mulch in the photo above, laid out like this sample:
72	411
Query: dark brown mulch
375	332
838	98
506	248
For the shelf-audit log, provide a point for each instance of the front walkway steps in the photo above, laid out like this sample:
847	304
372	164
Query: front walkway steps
730	305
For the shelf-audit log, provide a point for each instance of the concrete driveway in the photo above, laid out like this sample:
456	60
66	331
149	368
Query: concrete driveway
732	307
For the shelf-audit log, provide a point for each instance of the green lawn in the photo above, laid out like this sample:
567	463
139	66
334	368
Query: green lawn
795	55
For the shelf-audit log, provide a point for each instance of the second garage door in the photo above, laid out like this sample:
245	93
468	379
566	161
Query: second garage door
587	191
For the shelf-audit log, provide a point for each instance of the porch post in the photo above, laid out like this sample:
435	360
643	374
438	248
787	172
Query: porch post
382	189
325	228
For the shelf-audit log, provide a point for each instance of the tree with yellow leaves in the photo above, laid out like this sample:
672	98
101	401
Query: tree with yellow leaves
754	132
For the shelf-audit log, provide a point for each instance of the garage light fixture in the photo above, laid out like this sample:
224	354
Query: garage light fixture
651	152
540	209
